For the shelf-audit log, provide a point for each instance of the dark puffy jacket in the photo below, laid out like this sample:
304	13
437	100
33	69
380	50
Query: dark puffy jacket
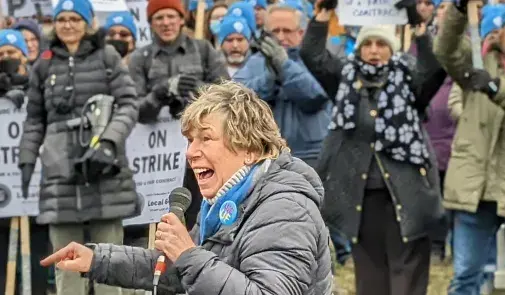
60	78
278	245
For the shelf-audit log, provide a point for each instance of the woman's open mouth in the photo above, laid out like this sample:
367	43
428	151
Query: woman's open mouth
203	174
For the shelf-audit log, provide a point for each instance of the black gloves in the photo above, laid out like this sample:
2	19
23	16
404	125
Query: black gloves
480	80
176	92
328	4
17	96
26	176
98	161
411	8
5	83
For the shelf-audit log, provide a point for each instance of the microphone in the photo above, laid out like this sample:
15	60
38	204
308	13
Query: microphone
179	201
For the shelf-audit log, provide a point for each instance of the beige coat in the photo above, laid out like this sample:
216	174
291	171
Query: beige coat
477	166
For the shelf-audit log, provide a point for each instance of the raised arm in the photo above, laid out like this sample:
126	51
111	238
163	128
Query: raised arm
321	63
452	48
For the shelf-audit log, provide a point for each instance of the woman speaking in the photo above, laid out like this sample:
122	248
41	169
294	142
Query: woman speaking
260	230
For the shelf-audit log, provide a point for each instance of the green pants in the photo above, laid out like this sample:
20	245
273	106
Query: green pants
110	231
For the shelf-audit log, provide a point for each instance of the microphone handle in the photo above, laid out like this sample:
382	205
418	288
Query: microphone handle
179	213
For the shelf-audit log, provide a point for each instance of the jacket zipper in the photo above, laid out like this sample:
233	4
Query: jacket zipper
74	135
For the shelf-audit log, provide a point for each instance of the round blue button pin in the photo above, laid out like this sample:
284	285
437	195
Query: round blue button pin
228	212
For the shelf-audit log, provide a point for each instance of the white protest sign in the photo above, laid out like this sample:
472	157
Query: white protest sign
104	5
11	201
26	8
138	10
370	12
156	153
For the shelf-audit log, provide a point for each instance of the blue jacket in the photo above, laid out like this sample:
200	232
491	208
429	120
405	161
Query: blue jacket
300	105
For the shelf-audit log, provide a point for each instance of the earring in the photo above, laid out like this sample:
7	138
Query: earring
248	161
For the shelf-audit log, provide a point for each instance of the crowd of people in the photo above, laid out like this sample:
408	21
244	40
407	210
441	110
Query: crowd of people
313	130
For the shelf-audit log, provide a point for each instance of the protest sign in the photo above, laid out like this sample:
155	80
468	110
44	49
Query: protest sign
156	153
138	10
11	201
26	8
370	12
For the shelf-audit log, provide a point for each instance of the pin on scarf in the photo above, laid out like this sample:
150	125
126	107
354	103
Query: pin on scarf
228	213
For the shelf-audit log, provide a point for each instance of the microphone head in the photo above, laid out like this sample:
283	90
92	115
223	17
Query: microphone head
180	197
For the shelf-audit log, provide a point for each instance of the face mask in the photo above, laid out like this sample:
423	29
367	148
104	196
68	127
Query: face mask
9	66
215	26
120	46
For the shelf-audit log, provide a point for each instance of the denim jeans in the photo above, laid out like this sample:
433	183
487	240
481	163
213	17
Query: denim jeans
474	237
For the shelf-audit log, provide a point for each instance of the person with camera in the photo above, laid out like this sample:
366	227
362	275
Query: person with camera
300	105
85	180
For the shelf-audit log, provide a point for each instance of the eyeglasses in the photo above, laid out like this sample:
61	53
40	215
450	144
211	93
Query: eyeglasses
122	34
71	20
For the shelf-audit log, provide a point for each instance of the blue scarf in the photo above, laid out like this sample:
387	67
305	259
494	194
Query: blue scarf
209	214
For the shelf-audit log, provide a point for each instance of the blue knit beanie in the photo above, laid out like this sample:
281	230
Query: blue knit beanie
124	19
81	7
233	24
493	18
245	10
261	3
13	38
193	5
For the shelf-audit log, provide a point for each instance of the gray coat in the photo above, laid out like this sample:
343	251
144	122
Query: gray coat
153	63
64	79
278	245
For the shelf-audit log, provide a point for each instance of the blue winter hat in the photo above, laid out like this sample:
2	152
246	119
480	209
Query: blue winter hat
233	24
81	7
261	3
193	4
493	18
13	38
437	3
245	10
122	18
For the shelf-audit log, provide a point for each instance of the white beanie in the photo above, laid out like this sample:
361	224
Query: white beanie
384	32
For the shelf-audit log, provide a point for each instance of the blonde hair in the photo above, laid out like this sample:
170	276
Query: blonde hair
248	121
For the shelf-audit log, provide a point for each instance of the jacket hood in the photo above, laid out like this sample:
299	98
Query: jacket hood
288	174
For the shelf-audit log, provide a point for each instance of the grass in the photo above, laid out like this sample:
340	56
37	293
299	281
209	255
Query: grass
440	275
